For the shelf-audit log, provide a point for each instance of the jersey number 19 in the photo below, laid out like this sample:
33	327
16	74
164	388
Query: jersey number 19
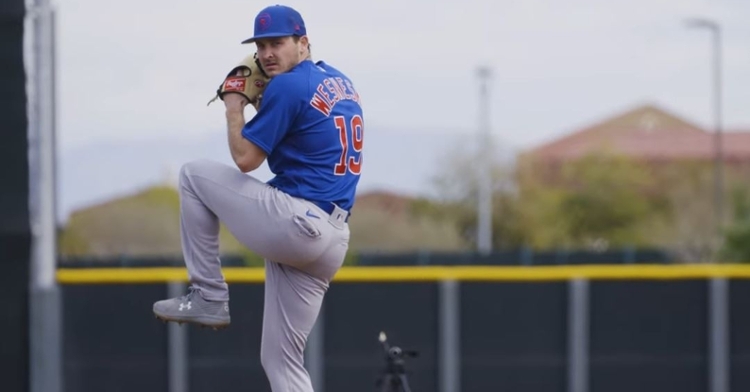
350	134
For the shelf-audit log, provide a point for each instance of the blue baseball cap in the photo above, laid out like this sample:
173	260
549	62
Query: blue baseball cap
277	21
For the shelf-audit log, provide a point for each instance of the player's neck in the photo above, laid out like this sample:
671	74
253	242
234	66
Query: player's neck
304	59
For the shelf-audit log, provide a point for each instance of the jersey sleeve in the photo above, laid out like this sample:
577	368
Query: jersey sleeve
282	102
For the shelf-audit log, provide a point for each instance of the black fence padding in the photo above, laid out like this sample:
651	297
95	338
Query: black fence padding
14	319
354	316
229	359
14	148
136	262
520	257
648	336
12	10
14	201
111	340
513	336
739	308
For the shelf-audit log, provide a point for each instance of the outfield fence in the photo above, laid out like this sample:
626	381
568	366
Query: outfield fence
598	328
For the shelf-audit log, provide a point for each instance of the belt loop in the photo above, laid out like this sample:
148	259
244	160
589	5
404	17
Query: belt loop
338	217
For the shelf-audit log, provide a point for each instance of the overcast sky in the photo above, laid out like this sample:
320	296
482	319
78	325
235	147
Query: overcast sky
138	69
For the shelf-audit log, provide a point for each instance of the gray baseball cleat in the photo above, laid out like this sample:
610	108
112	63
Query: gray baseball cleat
192	308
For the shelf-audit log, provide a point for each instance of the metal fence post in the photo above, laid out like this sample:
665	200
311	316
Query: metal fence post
177	347
449	330
718	335
46	331
578	335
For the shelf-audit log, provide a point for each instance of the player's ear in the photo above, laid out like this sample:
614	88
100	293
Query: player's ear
303	44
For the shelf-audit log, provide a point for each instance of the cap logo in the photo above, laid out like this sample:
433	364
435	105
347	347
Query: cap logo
264	21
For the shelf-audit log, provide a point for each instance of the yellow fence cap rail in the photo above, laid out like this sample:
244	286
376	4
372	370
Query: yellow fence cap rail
425	273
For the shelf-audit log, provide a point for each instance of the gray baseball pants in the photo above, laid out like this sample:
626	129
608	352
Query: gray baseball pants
302	245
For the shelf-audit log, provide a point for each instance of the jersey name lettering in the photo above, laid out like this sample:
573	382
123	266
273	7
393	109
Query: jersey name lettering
332	91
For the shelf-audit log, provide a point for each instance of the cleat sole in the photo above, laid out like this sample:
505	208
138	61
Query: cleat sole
215	327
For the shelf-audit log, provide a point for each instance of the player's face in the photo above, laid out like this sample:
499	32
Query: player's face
278	55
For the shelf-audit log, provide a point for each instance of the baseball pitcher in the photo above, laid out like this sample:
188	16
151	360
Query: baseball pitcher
309	127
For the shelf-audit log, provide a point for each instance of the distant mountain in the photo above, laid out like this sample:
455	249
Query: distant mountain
396	161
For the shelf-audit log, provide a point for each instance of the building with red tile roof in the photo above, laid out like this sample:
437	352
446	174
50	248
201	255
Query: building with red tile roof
648	134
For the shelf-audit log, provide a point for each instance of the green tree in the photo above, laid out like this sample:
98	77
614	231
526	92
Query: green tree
608	198
457	188
601	198
143	224
736	247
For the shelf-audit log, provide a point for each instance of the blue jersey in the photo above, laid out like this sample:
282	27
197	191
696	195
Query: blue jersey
310	124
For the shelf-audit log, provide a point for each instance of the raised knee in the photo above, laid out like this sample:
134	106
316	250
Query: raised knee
191	167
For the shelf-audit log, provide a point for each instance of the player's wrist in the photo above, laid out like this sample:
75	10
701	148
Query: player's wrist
235	106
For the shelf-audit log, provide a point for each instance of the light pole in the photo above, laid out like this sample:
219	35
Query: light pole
715	30
484	205
719	368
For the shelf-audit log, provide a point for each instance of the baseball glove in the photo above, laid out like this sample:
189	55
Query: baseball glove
247	79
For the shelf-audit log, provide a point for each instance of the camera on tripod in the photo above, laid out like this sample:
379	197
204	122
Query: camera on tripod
393	378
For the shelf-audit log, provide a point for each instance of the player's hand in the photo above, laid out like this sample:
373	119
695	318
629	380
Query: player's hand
235	101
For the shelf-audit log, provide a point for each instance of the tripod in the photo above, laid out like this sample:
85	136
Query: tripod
393	377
